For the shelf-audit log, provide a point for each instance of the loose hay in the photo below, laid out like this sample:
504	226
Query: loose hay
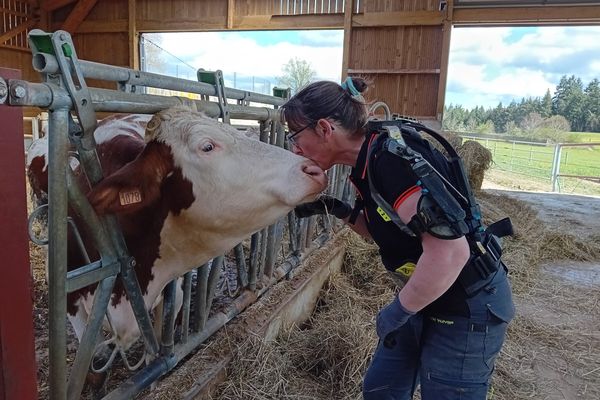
546	353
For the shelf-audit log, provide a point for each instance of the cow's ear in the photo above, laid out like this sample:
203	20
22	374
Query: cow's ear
136	185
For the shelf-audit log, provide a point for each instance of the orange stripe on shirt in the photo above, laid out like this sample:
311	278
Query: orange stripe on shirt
405	195
367	160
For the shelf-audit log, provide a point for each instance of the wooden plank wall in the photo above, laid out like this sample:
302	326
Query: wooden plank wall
17	18
402	61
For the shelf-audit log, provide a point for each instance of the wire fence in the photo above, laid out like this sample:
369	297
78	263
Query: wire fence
561	167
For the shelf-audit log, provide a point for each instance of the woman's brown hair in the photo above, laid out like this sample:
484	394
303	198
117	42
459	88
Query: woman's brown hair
326	99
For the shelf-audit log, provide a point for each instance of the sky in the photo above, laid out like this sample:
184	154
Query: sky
486	66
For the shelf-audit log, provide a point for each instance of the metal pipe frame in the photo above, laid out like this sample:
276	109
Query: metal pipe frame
106	233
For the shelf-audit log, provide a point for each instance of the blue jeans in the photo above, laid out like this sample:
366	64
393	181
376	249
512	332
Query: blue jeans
452	357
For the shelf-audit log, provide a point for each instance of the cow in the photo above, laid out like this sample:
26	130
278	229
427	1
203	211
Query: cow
187	190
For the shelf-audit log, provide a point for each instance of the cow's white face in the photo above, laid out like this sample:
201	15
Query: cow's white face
238	183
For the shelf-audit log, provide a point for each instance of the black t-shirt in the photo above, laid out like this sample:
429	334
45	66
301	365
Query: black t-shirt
395	181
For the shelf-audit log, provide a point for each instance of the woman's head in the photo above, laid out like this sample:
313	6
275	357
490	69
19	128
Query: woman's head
329	100
315	112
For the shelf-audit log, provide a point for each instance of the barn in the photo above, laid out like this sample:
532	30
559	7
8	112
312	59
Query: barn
256	303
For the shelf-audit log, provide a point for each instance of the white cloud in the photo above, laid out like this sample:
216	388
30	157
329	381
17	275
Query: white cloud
234	53
489	65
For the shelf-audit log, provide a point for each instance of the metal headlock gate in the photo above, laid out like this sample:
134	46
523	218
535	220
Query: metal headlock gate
64	90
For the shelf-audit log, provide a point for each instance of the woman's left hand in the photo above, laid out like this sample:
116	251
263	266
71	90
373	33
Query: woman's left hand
391	318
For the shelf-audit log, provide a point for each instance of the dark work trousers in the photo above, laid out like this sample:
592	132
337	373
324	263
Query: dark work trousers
452	357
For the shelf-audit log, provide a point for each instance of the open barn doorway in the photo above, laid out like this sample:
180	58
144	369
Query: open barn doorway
256	61
522	91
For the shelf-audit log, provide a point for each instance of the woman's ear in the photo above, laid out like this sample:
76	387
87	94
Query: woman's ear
324	128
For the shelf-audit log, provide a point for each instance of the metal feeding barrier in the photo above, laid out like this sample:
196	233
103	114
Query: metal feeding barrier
63	91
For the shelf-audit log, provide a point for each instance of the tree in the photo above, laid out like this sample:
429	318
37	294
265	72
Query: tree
592	106
569	101
297	74
546	106
531	122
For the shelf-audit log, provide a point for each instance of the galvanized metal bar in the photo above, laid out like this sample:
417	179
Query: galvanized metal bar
143	379
187	296
88	342
200	311
45	95
57	251
310	230
213	279
270	250
168	328
240	260
254	242
90	274
293	232
262	255
46	63
302	233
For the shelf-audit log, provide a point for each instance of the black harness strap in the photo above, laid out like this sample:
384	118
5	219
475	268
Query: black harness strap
458	204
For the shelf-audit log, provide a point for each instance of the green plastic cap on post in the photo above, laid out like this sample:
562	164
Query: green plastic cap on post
283	93
206	77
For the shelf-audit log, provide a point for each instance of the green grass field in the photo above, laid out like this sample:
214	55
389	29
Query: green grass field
535	162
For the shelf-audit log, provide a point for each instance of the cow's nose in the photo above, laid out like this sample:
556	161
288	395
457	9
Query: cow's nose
315	172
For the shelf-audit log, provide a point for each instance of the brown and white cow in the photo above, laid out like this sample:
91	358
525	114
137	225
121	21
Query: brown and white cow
191	191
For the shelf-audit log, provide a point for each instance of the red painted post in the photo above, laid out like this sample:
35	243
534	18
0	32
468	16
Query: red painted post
17	353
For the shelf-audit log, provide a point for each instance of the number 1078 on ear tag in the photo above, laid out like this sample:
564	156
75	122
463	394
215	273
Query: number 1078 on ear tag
131	197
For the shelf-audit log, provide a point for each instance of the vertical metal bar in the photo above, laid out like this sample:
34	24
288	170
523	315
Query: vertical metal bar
270	250
293	232
556	166
57	250
254	241
262	254
240	260
167	342
85	351
200	312
310	227
213	279
187	297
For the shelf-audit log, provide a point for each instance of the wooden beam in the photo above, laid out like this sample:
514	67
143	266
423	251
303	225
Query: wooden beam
230	13
400	71
546	15
348	6
15	31
78	14
15	48
397	18
446	35
107	26
134	53
15	13
51	5
256	22
304	21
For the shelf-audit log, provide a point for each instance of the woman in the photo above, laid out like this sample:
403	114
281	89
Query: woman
432	332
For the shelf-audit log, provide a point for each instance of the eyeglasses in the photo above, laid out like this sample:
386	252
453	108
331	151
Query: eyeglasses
291	137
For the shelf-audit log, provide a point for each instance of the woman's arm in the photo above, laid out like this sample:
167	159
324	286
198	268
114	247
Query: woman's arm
359	226
437	268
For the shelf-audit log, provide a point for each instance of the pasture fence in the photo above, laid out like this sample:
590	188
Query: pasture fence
552	163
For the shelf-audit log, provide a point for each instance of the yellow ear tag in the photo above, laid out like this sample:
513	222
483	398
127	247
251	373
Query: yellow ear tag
407	269
130	197
385	217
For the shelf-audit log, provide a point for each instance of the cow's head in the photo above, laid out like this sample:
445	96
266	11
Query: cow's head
217	176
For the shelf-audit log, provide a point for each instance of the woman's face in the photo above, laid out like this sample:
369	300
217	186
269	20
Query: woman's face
314	142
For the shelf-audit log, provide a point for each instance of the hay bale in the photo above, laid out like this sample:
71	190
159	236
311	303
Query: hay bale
477	159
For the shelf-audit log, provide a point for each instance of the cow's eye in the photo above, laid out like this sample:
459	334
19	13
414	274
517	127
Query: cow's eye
206	147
